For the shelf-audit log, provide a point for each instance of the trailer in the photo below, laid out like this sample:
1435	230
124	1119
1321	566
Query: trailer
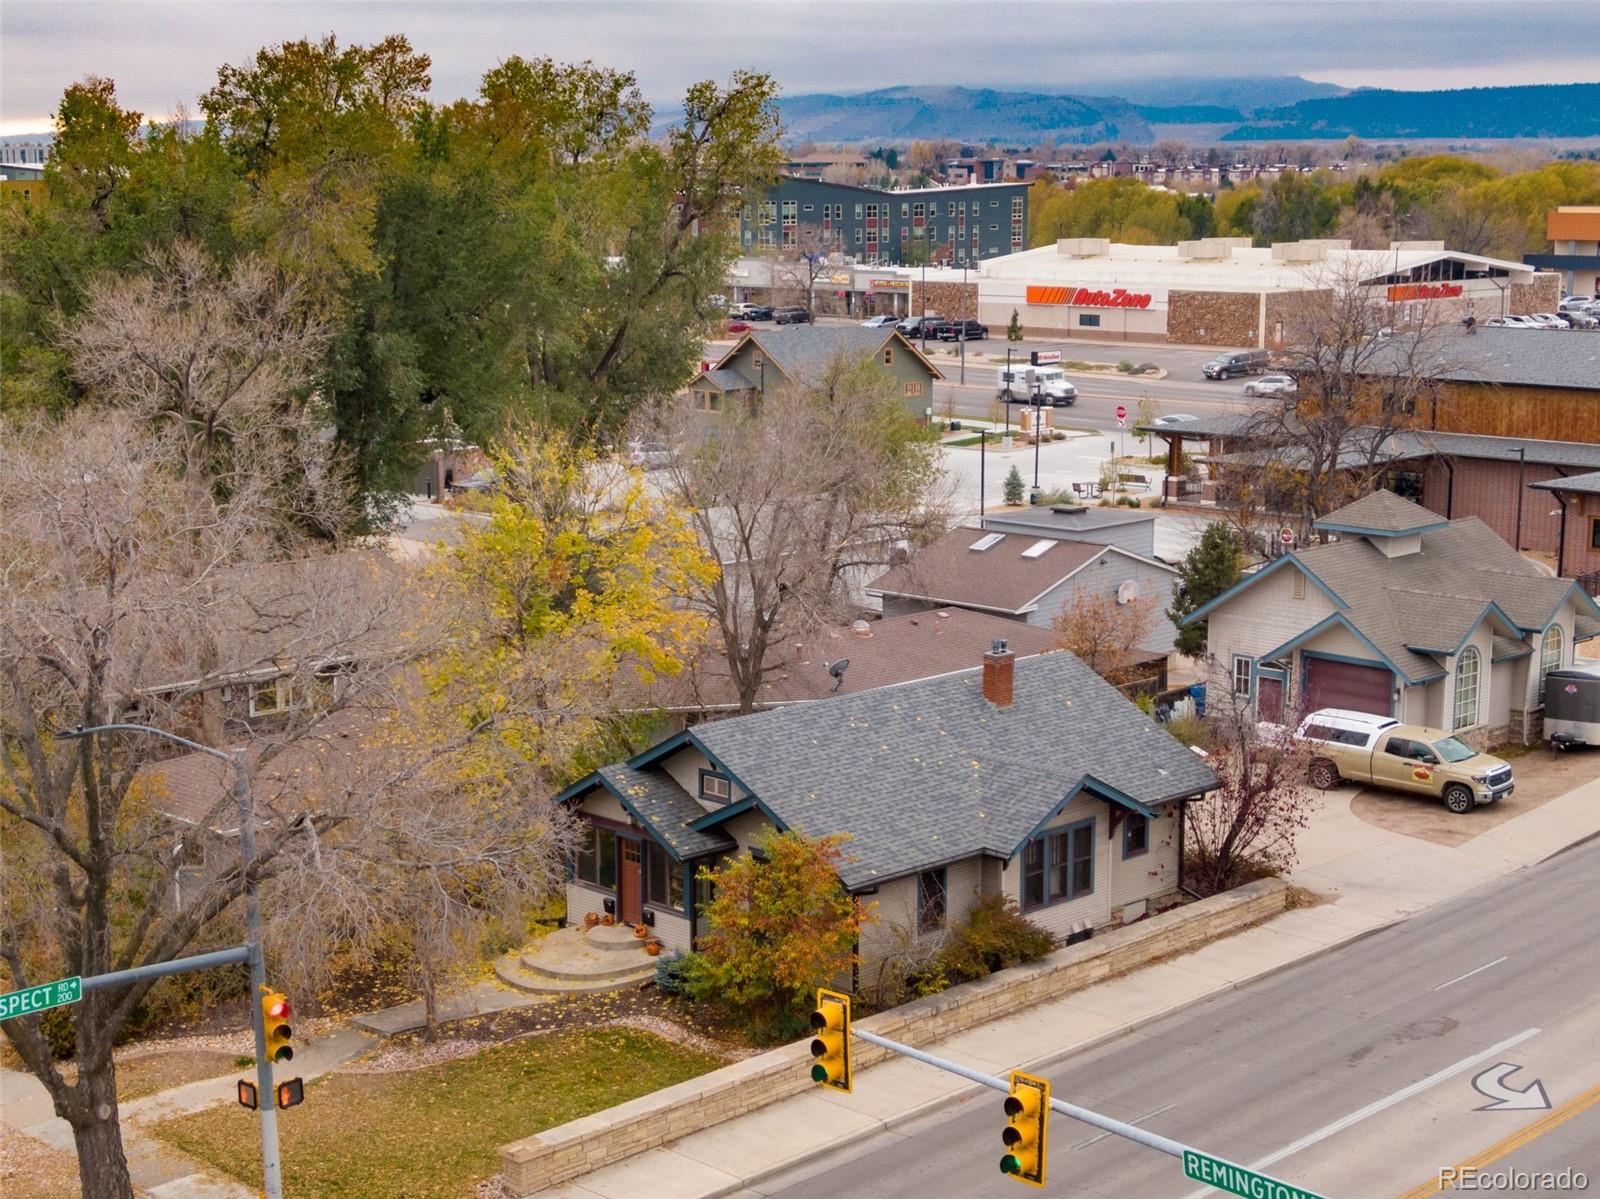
1572	707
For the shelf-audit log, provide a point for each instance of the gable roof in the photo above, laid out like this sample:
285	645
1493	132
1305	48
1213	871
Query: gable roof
728	379
666	809
1000	578
803	352
1587	484
930	772
1381	513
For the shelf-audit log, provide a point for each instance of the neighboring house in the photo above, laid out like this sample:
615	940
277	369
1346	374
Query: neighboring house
1436	622
874	653
1035	780
800	355
1578	527
1029	566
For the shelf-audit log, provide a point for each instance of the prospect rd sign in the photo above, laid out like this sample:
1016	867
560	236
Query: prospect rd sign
1226	1176
36	999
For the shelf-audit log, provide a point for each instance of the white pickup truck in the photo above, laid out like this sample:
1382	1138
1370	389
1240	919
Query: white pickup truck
1048	383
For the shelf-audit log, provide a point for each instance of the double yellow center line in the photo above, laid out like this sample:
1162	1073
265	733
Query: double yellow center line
1516	1140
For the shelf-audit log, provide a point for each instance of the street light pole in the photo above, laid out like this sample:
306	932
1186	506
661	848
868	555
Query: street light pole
271	1171
1034	397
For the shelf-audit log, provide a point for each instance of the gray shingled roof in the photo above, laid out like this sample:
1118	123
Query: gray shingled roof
666	808
729	379
1065	519
998	578
1381	512
1511	357
930	772
803	352
1588	484
1429	600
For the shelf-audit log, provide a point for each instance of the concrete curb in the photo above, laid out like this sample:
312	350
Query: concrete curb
1042	1062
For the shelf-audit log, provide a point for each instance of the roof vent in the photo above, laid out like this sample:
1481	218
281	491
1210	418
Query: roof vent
987	542
861	629
1068	509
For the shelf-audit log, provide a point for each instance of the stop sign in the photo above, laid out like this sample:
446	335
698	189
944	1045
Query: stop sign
1122	412
1286	535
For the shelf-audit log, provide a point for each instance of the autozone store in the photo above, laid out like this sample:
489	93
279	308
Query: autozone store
1225	292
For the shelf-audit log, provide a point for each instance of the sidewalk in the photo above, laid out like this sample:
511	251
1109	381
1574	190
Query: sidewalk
1373	877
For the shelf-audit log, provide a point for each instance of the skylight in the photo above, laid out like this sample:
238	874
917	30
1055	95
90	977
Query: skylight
1039	548
987	542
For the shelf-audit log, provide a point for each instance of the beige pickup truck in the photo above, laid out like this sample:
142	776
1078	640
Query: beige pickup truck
1382	752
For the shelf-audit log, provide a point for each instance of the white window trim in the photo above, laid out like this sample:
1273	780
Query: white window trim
1468	655
1249	680
280	690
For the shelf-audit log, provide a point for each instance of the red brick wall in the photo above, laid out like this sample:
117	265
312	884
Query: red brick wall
1582	513
1488	490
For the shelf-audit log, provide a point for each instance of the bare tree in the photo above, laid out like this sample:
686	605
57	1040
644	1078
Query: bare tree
1105	633
797	267
1248	825
1365	368
797	501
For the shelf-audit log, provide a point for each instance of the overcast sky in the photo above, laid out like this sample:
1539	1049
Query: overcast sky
163	54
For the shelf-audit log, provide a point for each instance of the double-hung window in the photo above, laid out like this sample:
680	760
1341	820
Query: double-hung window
596	859
663	878
932	900
1135	834
1058	865
1241	676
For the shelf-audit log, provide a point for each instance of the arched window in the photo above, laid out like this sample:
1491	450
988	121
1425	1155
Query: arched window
1549	656
1466	689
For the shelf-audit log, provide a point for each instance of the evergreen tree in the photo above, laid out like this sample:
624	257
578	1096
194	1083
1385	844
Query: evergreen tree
1210	568
1014	329
1014	486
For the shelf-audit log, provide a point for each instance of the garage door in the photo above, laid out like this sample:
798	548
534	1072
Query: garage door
1332	684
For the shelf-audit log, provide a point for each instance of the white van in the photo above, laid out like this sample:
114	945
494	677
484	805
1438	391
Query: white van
1049	382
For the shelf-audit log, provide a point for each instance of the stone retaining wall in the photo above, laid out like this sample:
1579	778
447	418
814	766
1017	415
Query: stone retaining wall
580	1146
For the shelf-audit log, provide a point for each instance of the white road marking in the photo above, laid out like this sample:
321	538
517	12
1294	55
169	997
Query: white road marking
1372	1109
1147	1116
1470	973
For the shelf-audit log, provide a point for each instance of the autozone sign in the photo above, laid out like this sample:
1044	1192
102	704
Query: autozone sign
1399	293
1083	297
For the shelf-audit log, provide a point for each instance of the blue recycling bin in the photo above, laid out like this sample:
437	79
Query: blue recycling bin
1198	693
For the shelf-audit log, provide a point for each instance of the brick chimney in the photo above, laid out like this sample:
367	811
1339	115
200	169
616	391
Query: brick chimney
998	667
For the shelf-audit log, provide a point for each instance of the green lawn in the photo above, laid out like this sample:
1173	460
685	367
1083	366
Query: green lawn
433	1132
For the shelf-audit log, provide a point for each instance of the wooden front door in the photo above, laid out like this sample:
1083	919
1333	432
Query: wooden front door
629	891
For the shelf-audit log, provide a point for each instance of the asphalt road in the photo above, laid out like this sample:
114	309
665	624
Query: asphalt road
1351	1075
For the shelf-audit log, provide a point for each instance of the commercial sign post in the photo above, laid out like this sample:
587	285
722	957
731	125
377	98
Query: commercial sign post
1237	1180
1044	357
40	998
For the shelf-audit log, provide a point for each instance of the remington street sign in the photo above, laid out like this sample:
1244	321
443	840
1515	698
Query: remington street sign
36	999
1226	1176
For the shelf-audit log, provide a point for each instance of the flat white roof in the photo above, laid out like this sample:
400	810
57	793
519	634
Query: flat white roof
1243	268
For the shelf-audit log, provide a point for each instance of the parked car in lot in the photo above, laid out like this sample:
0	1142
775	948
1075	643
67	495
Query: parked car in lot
1239	362
1548	320
752	312
647	455
913	326
794	315
961	331
1271	385
742	311
1578	318
1173	420
738	326
483	481
1381	752
879	322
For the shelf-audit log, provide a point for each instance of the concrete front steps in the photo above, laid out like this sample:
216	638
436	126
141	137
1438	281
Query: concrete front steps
578	961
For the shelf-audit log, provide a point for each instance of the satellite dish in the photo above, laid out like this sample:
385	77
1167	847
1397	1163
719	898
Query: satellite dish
1128	591
837	669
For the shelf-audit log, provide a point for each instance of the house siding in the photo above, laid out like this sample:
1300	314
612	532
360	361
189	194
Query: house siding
1484	726
582	900
1152	873
1155	583
684	766
894	926
1094	908
672	930
1259	619
599	803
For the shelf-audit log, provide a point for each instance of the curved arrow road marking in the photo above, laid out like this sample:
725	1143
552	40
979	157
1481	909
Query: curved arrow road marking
1491	1084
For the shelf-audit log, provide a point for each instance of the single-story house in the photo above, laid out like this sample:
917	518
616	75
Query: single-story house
1401	613
799	356
1032	779
1029	572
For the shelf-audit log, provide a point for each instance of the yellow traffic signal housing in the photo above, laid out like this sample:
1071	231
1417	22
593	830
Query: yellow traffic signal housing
275	1015
831	1045
1027	1122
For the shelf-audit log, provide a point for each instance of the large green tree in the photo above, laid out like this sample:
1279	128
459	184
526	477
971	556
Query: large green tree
1208	570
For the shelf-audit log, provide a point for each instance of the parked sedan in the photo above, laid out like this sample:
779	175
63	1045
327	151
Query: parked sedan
1271	385
880	322
648	455
1548	320
962	331
738	326
791	316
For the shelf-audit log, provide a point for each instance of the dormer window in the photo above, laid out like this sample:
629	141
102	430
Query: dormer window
715	788
269	698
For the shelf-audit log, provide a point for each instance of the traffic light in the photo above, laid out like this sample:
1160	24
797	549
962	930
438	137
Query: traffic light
275	1015
291	1092
1027	1119
831	1046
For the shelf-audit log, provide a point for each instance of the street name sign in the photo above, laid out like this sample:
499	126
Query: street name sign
36	999
1237	1180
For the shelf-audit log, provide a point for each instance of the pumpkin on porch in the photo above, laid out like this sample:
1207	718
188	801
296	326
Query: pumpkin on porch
641	930
608	920
590	919
652	947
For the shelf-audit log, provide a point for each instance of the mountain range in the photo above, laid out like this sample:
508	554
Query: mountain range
1276	108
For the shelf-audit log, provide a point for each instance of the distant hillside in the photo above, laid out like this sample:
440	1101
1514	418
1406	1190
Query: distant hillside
1542	110
966	114
1189	114
1244	93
